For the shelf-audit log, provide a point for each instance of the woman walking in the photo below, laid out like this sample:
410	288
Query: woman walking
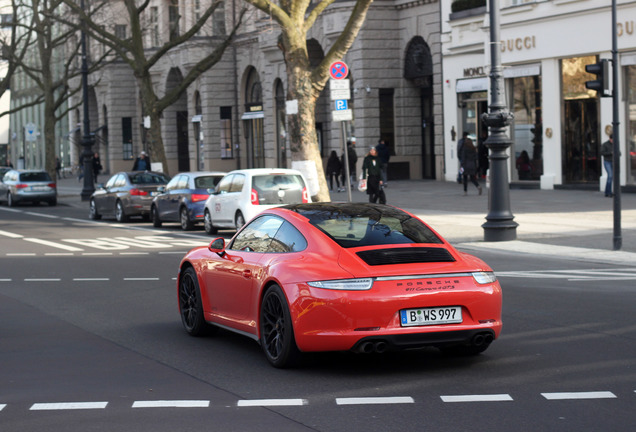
469	164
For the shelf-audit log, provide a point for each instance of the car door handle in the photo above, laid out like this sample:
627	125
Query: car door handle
247	274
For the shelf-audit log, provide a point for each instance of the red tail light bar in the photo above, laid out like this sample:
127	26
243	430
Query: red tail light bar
138	192
199	197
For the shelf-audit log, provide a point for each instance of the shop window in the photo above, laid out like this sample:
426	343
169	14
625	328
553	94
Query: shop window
527	127
631	124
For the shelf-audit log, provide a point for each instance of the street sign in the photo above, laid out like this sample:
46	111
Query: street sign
339	89
338	70
342	115
30	132
341	105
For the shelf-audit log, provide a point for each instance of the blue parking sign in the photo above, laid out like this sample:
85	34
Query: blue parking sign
341	104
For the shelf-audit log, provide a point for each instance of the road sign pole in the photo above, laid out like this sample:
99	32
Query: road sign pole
346	160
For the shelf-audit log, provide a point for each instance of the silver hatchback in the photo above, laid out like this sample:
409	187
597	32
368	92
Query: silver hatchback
28	186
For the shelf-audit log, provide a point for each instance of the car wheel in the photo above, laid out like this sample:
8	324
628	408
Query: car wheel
239	220
92	212
277	334
190	306
120	214
154	215
10	200
184	217
207	223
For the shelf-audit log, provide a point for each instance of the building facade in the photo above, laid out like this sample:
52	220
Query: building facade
559	125
234	115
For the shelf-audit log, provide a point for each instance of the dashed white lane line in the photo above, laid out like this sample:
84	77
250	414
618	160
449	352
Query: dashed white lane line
43	280
271	402
2	406
172	404
90	279
21	254
478	398
142	279
375	400
579	395
68	406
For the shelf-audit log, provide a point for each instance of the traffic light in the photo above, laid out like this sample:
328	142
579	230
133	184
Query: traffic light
601	83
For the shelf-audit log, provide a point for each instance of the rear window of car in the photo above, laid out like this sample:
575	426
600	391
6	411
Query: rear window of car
356	226
35	176
278	188
148	178
206	182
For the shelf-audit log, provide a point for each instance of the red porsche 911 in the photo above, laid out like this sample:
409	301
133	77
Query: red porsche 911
337	277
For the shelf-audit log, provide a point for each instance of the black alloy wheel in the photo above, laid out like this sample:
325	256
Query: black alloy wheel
190	306
207	223
239	220
154	215
184	218
120	214
277	333
92	212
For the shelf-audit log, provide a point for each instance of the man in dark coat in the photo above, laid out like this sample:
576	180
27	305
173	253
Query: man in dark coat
142	163
384	154
372	171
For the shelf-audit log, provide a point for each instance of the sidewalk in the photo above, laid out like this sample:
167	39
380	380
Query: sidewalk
577	224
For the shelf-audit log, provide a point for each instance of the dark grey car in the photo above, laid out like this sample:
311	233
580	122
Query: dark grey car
127	194
28	186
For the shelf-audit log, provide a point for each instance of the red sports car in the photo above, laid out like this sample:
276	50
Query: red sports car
337	277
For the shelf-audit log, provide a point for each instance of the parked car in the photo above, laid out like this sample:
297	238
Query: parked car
183	198
127	194
340	277
242	194
28	186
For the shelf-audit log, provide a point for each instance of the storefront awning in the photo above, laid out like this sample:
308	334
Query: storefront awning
252	115
472	85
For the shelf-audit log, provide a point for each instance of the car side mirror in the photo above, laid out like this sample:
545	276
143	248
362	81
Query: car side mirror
218	246
161	189
100	185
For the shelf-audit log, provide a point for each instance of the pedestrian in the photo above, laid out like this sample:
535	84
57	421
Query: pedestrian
142	163
372	171
607	151
334	168
460	150
97	166
58	167
384	154
469	165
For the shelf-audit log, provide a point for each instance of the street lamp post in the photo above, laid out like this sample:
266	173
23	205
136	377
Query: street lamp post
87	138
499	225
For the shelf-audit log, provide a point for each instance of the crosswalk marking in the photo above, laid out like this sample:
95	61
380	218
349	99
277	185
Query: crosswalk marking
574	275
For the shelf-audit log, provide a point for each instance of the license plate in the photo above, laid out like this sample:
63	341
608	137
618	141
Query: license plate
431	316
38	188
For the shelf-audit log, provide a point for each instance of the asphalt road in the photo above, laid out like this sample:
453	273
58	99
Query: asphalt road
90	339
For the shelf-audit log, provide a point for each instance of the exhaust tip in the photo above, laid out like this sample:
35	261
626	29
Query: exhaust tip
380	347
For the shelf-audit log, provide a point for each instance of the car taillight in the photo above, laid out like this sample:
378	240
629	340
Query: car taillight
52	185
199	197
20	186
138	192
305	195
254	197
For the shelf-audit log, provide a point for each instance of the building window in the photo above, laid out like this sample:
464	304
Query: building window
226	133
387	126
120	31
173	19
126	132
154	26
219	20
